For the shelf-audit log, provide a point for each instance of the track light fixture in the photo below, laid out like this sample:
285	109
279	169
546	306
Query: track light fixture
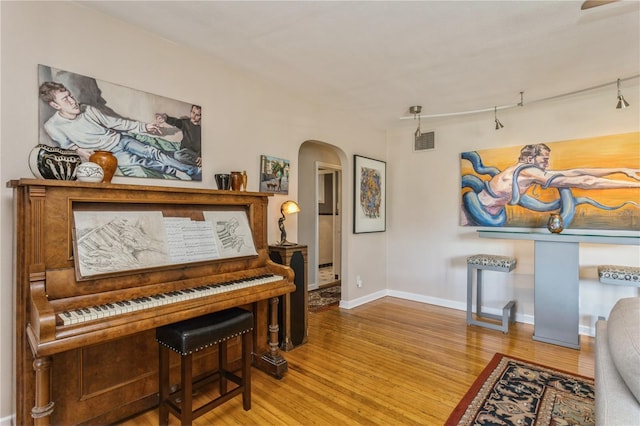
420	139
621	101
416	110
499	125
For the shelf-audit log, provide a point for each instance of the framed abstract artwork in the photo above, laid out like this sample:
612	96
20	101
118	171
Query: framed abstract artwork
369	189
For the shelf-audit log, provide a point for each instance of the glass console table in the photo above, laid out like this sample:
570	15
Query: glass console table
556	280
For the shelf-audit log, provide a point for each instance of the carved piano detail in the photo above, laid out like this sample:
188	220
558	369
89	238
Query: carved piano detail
85	347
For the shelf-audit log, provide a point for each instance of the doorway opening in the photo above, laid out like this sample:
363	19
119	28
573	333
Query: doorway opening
321	166
328	223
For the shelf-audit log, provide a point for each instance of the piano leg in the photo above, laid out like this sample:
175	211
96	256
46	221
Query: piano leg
272	362
43	407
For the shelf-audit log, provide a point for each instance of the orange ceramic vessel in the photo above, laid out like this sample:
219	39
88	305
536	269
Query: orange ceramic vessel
107	161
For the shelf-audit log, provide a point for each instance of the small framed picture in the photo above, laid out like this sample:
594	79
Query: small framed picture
369	188
274	175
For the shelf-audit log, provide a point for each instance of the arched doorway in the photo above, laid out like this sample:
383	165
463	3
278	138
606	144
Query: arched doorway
316	160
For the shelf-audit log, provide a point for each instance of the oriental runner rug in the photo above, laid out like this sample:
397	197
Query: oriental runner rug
324	298
511	391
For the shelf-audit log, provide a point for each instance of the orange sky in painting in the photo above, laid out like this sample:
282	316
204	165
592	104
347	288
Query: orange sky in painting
614	151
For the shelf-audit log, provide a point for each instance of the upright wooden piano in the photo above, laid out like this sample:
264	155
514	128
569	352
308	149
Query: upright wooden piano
85	342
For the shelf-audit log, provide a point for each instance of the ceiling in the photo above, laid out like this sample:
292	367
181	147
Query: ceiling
375	59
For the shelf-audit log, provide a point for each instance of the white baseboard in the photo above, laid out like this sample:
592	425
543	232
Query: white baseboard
362	300
7	421
525	319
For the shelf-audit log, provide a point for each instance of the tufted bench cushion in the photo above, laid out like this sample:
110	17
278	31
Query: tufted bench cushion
195	334
619	275
492	262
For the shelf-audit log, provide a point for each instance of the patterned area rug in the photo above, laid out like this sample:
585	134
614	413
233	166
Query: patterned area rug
324	298
511	391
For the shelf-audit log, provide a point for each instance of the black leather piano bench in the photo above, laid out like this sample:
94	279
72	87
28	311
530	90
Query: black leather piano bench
189	336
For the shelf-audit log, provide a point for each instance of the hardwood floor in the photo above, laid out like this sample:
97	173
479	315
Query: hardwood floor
389	362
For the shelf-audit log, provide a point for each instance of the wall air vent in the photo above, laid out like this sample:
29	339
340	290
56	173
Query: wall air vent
424	141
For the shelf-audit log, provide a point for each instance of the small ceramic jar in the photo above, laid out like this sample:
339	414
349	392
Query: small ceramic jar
236	181
107	161
89	172
555	223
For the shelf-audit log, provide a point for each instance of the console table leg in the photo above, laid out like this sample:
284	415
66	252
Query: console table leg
556	294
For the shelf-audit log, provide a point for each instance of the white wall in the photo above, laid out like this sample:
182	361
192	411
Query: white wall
427	249
421	255
242	118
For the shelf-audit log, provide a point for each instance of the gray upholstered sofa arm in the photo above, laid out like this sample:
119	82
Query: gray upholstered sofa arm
618	365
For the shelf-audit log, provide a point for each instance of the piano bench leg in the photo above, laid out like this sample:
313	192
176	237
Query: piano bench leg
186	377
246	370
182	406
163	379
222	366
188	337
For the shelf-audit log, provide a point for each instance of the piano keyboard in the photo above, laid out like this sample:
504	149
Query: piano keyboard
81	315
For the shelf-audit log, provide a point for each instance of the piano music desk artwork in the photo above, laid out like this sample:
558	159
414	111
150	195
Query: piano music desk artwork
100	266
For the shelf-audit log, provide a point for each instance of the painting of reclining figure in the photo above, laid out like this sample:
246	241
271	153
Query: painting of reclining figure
593	183
150	135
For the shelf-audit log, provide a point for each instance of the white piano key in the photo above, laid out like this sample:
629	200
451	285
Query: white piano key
146	302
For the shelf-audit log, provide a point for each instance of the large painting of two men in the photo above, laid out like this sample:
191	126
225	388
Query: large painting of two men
151	136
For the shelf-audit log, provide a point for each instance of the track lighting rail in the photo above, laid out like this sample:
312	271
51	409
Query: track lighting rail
521	103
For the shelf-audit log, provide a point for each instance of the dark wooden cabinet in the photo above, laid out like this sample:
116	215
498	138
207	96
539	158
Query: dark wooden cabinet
295	305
